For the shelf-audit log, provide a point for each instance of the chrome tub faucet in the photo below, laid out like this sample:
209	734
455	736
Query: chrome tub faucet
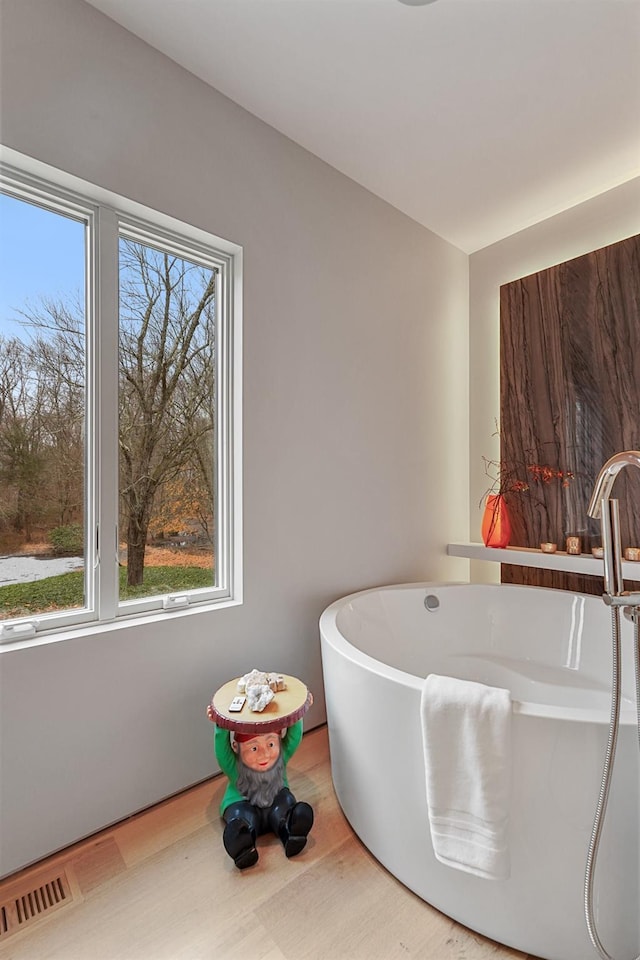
601	505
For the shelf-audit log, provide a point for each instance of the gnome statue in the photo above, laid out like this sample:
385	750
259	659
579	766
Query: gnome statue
257	799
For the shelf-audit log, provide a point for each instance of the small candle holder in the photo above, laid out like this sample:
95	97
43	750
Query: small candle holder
632	553
574	546
548	547
598	552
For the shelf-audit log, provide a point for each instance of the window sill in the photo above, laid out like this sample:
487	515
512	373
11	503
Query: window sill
94	628
526	557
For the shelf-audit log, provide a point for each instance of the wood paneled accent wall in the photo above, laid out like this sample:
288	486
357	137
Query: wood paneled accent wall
570	396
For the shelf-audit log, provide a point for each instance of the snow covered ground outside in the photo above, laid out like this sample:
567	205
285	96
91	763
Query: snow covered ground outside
28	569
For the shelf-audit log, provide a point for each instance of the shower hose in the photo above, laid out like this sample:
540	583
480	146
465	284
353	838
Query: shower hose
607	772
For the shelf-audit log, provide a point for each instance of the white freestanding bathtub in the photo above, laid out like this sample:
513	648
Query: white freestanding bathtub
552	650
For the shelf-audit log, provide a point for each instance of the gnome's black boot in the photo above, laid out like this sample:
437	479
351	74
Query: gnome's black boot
239	840
291	822
298	825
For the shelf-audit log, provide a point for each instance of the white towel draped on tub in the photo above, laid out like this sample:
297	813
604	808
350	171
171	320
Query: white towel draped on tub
466	729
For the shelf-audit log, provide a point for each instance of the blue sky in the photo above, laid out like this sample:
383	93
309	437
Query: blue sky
41	254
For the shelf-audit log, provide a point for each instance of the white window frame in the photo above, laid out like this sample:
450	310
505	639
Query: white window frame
108	217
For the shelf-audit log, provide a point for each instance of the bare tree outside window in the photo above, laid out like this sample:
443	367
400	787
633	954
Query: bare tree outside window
166	432
166	403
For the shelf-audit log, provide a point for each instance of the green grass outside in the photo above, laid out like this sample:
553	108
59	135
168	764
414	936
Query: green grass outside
66	590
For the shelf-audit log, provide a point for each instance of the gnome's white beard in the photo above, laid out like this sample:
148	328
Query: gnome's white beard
260	787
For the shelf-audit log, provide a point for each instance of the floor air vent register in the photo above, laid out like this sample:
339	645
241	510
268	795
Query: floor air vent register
28	905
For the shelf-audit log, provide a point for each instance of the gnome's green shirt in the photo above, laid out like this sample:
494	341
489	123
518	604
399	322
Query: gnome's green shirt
227	759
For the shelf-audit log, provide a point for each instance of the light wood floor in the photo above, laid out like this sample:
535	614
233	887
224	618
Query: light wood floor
159	886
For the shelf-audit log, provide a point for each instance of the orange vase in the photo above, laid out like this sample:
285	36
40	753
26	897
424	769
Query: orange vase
496	526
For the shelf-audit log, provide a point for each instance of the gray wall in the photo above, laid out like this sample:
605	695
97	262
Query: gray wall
355	418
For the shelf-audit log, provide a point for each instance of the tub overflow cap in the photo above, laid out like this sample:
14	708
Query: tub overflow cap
431	602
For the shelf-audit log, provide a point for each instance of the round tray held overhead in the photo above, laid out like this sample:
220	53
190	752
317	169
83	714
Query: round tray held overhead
286	708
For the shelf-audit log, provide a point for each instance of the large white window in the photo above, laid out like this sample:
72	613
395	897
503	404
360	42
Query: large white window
119	410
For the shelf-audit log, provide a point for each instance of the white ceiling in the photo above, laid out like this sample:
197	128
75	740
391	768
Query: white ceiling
475	117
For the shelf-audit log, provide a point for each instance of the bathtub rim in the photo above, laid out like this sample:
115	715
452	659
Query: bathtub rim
330	633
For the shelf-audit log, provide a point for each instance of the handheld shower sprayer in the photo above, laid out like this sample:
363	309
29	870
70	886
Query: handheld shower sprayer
601	505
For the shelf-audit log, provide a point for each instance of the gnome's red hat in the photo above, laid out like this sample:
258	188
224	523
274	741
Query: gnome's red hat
243	737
